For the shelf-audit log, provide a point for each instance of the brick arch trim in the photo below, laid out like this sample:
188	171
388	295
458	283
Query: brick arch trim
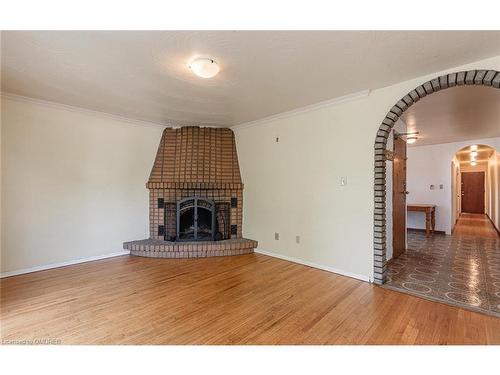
489	78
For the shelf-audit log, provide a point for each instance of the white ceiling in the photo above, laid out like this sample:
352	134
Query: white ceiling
456	114
143	74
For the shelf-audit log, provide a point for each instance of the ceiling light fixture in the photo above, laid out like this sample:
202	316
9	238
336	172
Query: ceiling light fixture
473	148
473	163
473	154
412	139
204	67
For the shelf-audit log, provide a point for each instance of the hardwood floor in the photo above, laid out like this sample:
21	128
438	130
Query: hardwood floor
477	225
248	299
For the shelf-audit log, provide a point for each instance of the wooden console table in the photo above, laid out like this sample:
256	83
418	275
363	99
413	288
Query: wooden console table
430	215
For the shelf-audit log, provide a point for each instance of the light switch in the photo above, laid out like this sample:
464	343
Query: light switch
297	239
343	181
276	236
432	187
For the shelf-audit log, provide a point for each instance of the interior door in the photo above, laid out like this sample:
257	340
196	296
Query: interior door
473	192
399	198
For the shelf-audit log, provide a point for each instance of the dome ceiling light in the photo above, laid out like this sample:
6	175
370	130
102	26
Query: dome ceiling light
204	67
411	137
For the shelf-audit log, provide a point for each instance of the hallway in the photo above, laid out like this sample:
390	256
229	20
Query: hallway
462	269
475	225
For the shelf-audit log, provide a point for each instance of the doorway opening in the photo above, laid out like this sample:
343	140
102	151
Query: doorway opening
475	192
427	260
487	78
457	266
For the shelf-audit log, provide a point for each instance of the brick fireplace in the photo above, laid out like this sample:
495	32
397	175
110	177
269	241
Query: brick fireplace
195	197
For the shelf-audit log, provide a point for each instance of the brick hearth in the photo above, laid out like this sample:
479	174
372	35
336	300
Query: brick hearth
195	249
202	163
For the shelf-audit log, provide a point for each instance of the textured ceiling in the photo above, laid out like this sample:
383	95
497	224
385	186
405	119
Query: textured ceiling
456	114
143	74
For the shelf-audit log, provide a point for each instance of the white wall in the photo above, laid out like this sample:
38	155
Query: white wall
73	183
293	187
1	174
431	165
493	189
456	190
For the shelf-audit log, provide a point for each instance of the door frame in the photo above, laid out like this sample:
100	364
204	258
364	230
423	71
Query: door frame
395	191
485	77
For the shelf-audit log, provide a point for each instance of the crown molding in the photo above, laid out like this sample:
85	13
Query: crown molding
308	108
71	108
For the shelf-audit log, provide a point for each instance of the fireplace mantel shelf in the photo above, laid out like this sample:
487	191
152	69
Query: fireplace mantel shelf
195	249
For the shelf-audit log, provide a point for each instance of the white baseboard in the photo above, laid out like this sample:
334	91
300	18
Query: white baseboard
126	252
314	265
62	264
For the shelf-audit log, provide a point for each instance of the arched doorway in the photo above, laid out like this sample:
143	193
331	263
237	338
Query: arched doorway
475	191
489	78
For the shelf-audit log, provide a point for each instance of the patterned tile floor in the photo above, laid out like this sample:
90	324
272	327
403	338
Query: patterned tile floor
459	270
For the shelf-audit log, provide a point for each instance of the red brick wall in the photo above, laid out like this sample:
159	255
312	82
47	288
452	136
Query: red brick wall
193	161
193	154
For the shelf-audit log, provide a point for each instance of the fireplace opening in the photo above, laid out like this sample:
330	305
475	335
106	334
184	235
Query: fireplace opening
195	219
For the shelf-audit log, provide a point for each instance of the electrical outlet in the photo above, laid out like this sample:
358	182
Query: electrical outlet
441	187
276	236
297	239
432	187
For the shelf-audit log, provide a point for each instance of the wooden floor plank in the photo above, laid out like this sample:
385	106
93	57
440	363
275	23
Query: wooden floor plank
474	225
248	299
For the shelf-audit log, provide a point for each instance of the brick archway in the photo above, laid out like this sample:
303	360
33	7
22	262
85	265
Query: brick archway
489	78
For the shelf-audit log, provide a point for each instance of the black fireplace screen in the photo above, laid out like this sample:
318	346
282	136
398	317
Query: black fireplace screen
195	219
